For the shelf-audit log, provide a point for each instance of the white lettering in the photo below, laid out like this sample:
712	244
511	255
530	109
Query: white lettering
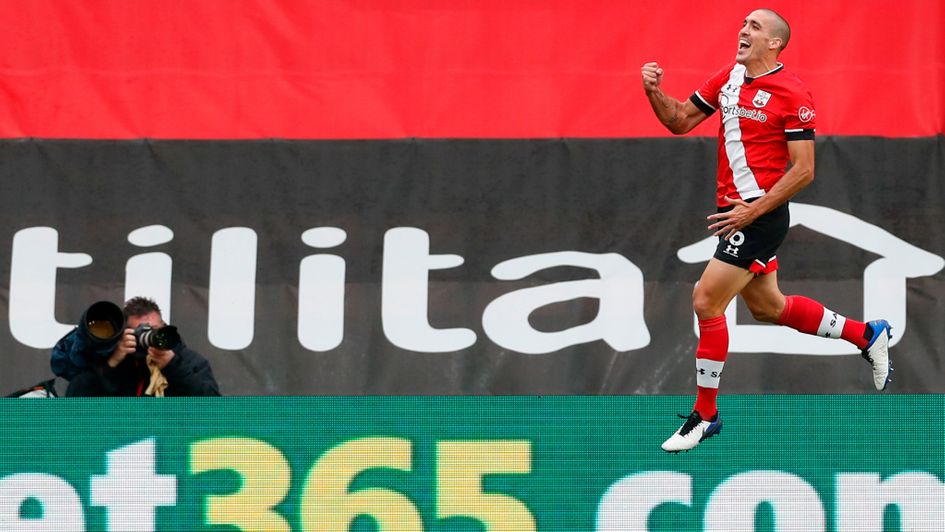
131	490
231	311
33	265
753	114
149	274
322	292
405	293
862	499
619	290
627	504
733	504
61	507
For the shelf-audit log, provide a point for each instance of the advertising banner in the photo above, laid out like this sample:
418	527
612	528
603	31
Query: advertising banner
410	464
461	267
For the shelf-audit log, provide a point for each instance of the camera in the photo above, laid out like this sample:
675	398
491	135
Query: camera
100	327
103	324
164	338
98	333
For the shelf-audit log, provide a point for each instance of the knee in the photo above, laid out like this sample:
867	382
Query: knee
705	306
766	311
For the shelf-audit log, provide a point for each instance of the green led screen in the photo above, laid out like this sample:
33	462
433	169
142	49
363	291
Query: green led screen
782	463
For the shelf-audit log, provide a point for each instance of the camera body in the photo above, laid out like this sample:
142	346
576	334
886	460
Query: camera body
164	338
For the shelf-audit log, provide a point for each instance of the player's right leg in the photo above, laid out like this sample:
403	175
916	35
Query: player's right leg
720	283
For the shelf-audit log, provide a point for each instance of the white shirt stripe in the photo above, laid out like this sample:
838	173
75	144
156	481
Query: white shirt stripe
745	182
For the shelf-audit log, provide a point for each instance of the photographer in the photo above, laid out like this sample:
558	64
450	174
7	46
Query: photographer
125	367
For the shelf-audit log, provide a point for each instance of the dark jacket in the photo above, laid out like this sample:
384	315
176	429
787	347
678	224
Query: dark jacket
187	374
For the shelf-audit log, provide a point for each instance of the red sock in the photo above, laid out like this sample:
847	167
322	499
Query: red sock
855	333
710	357
810	317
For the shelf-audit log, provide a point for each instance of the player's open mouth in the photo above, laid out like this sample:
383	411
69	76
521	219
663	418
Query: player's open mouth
743	45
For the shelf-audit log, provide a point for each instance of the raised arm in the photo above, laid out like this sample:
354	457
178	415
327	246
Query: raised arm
678	117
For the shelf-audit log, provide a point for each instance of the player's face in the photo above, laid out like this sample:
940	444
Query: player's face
753	38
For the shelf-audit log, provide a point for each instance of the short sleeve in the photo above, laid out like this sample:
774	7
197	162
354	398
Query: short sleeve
707	97
800	117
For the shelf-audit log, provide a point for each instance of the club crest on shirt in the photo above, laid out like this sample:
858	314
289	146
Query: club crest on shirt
761	99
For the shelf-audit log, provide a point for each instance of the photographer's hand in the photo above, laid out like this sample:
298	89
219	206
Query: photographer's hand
161	357
125	347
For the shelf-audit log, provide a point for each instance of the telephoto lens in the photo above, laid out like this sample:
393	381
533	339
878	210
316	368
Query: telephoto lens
102	325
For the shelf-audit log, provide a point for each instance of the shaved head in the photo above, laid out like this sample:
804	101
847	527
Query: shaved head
780	29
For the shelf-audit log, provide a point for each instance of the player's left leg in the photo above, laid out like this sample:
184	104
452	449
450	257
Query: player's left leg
766	303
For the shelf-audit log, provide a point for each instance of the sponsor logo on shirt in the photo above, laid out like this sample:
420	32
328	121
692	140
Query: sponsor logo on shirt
806	114
753	114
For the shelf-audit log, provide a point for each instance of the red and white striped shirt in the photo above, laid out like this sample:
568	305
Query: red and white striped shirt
759	116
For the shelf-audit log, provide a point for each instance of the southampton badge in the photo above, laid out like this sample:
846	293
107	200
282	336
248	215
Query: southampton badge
761	98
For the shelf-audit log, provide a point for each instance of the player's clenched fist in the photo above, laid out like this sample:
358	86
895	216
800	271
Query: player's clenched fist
652	76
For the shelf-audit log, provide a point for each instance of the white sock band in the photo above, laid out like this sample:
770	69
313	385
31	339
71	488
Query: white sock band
708	372
831	326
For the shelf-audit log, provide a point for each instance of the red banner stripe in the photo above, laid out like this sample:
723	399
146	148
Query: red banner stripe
410	68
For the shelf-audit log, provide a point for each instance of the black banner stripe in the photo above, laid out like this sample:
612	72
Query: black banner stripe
425	225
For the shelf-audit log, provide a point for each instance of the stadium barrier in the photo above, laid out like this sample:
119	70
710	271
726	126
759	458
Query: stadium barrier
838	463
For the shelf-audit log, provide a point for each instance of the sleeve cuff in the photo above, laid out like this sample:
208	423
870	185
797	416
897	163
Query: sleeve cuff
799	134
701	104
